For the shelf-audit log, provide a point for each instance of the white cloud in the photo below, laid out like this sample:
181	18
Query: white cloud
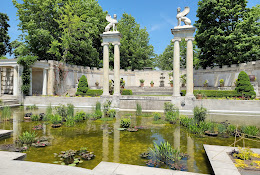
169	20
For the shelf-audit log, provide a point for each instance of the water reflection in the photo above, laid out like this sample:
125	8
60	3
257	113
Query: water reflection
177	137
117	139
190	151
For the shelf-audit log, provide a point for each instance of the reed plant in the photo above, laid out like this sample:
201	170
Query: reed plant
27	138
250	130
70	110
6	113
138	109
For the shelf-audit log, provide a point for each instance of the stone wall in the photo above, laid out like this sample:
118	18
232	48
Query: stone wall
72	73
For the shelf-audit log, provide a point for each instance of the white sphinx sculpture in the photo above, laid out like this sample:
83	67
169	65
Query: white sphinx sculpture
112	23
181	16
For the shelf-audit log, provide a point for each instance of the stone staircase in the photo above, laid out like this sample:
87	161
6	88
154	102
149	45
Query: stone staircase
9	100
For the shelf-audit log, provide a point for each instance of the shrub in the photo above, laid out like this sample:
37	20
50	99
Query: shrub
127	92
168	106
199	114
35	117
214	93
138	109
111	113
244	87
172	116
27	138
250	130
94	92
80	116
6	112
156	116
125	122
83	86
61	110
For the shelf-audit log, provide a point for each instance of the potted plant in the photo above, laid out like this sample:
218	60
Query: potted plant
56	120
183	80
171	83
97	83
142	82
206	83
221	83
152	83
199	95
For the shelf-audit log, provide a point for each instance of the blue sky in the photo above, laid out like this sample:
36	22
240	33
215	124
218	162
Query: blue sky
158	16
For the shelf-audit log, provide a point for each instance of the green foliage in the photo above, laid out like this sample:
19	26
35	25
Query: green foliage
98	106
67	30
244	153
98	114
164	61
70	110
33	107
61	110
138	109
94	92
141	80
214	93
223	35
169	107
5	46
106	107
135	50
55	119
111	113
199	114
156	116
83	86
80	116
127	92
70	121
231	129
125	122
172	116
26	62
221	82
244	87
35	117
27	138
48	113
164	153
250	130
6	113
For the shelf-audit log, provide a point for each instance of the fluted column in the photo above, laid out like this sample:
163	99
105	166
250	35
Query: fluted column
176	68
116	69
15	81
44	83
189	65
106	69
30	90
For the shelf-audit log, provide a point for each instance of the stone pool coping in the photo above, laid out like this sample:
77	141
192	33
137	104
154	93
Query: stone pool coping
12	165
5	133
220	160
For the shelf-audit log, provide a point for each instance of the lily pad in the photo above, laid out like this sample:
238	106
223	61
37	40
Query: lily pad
56	162
121	129
72	164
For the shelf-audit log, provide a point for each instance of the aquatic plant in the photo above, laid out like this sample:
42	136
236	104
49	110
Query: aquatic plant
85	154
80	116
106	119
48	113
221	128
111	113
32	107
98	106
61	110
35	117
164	153
67	156
231	129
156	116
138	109
125	122
27	138
160	122
98	114
169	107
172	116
70	110
250	130
56	119
106	107
199	114
6	113
70	121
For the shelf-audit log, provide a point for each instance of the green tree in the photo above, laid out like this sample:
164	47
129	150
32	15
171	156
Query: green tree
83	86
135	50
5	46
165	60
218	19
67	30
244	87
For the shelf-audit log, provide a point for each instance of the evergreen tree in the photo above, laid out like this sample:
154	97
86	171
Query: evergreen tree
216	36
244	87
82	86
5	46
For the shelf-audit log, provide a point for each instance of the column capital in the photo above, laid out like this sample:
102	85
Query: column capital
103	44
191	38
117	43
176	39
15	66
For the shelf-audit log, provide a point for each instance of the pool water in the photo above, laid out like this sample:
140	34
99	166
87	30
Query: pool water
110	144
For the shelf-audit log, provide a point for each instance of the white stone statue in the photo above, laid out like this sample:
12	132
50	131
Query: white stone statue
112	23
181	16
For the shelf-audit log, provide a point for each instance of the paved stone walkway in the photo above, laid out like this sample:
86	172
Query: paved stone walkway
9	165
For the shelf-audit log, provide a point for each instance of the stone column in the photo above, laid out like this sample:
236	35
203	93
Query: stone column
15	81
176	68
189	66
30	91
44	83
116	69
106	69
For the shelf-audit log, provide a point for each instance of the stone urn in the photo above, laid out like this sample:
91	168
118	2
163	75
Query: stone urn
252	77
142	85
171	84
152	85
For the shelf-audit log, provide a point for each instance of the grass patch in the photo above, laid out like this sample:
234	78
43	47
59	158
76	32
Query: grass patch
160	122
147	115
106	119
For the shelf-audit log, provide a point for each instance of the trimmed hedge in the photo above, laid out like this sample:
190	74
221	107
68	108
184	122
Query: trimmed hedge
214	93
83	86
127	92
94	92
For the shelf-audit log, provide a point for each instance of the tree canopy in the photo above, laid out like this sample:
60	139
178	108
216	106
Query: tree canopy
65	30
135	50
5	46
222	33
